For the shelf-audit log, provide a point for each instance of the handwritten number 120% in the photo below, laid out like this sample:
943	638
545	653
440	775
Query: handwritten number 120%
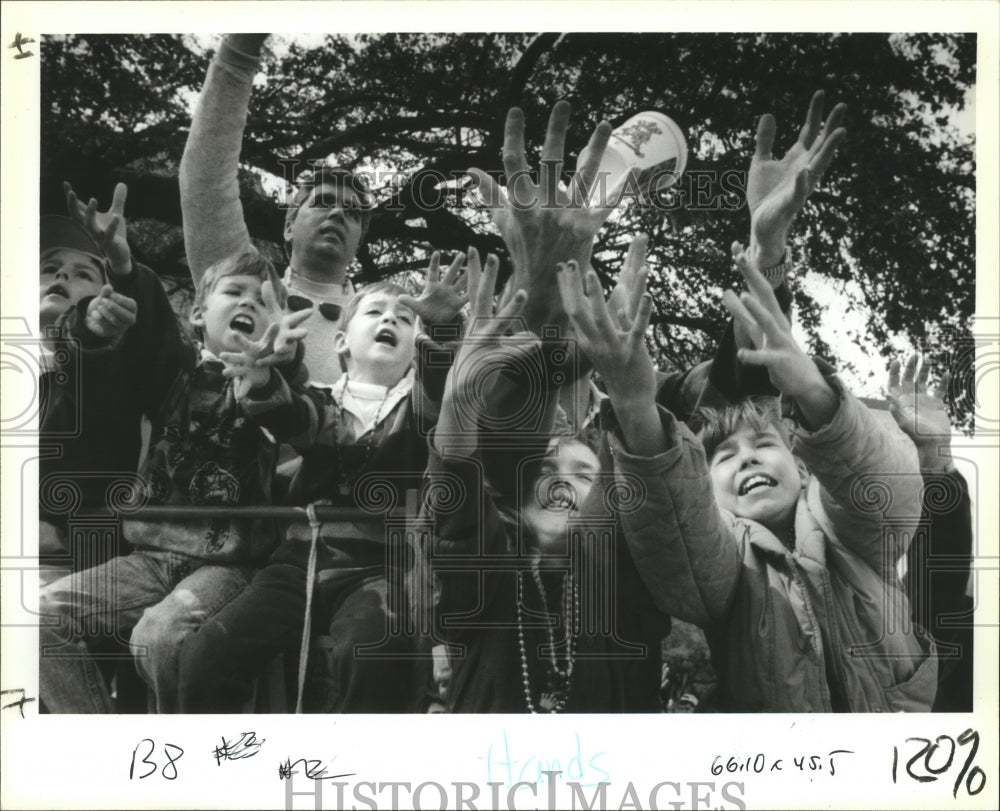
933	764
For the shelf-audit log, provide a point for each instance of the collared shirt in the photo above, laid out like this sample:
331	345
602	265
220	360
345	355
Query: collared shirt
366	404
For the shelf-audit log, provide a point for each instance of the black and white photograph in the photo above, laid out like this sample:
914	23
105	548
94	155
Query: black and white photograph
398	364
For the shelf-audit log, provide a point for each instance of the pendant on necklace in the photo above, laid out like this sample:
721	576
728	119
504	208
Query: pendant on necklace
547	702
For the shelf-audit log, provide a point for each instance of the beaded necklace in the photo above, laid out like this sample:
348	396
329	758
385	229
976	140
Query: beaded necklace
559	679
345	482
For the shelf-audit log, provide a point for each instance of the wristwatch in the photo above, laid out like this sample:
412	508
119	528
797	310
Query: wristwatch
778	272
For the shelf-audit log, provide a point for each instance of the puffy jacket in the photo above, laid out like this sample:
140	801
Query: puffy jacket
818	628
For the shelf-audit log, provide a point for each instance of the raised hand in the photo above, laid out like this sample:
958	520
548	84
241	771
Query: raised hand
245	367
288	334
791	370
484	350
541	223
616	346
777	189
110	314
631	280
107	228
614	342
442	299
484	334
922	415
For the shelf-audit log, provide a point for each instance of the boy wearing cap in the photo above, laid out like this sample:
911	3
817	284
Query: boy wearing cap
98	367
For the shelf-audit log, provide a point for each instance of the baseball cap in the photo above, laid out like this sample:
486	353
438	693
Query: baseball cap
62	233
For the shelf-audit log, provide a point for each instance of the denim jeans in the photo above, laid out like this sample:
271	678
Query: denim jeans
219	662
91	614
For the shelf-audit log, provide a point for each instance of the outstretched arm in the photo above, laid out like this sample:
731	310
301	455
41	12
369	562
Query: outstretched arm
541	223
133	306
681	545
616	346
210	195
484	351
777	190
792	372
947	508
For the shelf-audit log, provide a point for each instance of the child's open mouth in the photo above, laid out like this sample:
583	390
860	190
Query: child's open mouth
387	337
242	323
755	482
57	290
559	497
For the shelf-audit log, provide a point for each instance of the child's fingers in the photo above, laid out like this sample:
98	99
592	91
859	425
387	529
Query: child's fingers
73	204
834	120
804	183
493	326
406	300
821	161
515	162
622	320
506	294
642	316
941	390
599	308
923	377
112	228
118	199
574	301
246	343
487	285
292	320
739	312
107	291
489	190
123	301
636	256
242	388
636	291
462	284
90	215
474	274
513	308
774	331
894	375
759	357
267	339
281	355
434	269
766	128
910	370
811	126
762	291
453	269
586	173
118	314
553	149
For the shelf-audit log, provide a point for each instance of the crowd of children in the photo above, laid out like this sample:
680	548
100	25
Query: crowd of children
478	525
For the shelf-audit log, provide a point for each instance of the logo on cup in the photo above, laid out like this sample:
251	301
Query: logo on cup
650	147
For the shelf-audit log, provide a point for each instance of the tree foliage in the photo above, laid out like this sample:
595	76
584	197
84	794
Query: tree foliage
895	214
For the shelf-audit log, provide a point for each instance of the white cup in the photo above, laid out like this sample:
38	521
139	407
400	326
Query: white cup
649	145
